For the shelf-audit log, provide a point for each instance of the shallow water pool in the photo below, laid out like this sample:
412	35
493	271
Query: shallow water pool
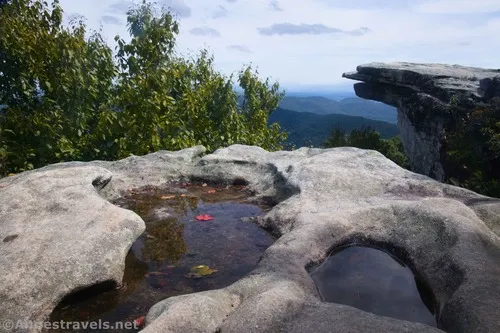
375	281
161	263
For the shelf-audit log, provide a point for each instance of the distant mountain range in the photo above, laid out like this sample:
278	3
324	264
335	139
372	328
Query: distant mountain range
335	95
307	128
352	106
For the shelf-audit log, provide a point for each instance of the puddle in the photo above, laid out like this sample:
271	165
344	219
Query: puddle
160	262
373	280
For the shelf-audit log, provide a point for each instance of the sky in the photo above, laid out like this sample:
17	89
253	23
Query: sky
308	44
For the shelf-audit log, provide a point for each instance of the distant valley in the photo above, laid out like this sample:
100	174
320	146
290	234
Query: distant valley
307	128
352	106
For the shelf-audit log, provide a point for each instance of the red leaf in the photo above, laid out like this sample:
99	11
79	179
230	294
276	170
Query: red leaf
204	217
139	322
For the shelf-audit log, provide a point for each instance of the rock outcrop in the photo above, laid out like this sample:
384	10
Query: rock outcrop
69	236
59	234
422	94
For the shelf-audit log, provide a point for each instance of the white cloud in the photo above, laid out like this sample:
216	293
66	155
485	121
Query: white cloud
239	48
374	30
108	19
447	7
177	6
274	4
219	12
307	29
204	31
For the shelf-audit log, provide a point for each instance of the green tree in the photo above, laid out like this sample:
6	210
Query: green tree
393	149
54	82
170	102
69	97
367	138
472	147
260	99
337	138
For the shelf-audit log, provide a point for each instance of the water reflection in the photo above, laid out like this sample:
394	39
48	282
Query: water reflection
372	280
164	241
160	261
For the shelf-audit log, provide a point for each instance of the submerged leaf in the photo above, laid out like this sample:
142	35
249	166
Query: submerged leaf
204	217
200	271
156	273
139	322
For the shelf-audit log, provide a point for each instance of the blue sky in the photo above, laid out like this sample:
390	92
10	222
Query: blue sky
309	44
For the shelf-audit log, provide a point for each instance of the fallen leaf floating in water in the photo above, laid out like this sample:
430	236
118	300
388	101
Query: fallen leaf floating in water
204	184
211	191
200	271
204	217
167	197
11	174
155	274
139	322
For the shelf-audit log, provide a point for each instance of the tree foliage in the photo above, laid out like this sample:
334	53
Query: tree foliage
471	150
367	138
472	147
70	97
54	82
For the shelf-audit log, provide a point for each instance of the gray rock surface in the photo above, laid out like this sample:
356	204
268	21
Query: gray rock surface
59	234
69	237
422	95
329	198
56	236
438	80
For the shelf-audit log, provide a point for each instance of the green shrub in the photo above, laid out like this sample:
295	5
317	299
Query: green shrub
69	97
367	138
472	147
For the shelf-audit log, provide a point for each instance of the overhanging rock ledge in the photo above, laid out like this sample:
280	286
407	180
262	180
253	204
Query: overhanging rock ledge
422	95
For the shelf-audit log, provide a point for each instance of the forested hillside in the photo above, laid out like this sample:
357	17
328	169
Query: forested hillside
309	129
348	106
